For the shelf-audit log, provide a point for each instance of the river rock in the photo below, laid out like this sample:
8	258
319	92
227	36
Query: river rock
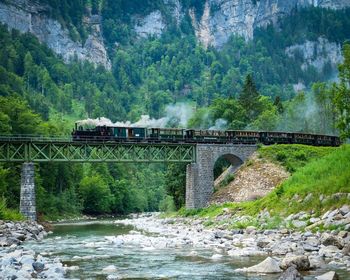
299	262
299	224
291	274
331	275
316	262
329	239
250	229
328	251
269	265
345	209
109	269
216	256
346	250
38	266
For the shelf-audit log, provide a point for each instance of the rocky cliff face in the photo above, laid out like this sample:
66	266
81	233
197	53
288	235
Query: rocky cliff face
29	16
240	17
220	19
317	53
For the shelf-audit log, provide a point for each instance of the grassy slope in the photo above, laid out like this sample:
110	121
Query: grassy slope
317	170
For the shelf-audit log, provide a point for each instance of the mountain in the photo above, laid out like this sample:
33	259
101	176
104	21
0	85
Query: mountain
34	17
213	21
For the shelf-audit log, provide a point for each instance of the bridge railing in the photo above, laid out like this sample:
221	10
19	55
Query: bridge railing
34	138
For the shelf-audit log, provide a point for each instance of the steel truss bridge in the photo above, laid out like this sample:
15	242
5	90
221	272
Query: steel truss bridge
45	149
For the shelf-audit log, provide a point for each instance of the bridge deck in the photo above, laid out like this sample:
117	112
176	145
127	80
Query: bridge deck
45	149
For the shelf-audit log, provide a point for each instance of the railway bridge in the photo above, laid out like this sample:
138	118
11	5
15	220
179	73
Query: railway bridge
201	159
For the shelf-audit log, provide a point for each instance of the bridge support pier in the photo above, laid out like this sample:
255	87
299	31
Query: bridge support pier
200	175
27	203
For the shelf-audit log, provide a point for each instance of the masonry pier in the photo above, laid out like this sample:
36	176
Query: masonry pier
27	202
200	175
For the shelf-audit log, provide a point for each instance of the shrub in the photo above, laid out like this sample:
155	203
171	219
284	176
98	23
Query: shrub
167	204
8	214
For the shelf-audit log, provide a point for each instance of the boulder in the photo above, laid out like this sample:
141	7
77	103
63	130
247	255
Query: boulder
109	269
328	251
250	229
299	262
38	266
329	239
316	262
346	250
269	265
299	224
291	274
343	234
331	275
345	209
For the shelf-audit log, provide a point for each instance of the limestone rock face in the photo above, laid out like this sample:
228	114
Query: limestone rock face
30	16
240	17
317	53
152	24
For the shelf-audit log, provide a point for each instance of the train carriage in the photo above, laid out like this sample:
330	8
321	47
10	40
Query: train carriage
244	137
206	136
304	138
269	138
166	134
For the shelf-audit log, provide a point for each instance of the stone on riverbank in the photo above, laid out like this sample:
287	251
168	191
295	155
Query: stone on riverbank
269	265
299	262
291	274
109	269
329	239
14	233
22	264
331	275
38	266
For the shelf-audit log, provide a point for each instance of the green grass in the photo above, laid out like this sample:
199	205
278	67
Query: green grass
327	175
293	157
8	214
319	171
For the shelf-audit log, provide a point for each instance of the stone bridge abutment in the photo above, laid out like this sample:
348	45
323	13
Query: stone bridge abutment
200	175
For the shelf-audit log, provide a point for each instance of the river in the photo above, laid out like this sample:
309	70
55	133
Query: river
90	246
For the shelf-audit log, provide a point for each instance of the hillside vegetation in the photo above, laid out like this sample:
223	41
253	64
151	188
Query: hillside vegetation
319	183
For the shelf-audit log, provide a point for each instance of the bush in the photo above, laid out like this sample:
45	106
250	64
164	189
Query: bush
8	214
228	179
167	204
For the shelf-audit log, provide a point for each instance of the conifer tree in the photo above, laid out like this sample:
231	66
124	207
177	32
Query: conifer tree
249	99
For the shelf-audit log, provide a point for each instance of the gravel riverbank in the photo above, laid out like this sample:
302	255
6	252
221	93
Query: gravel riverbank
18	263
305	251
310	253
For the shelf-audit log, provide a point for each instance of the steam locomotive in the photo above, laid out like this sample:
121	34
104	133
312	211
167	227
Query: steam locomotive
176	135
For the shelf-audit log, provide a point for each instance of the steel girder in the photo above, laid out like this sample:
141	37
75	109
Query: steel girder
41	151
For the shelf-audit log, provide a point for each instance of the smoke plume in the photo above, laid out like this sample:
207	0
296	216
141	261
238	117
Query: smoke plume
176	115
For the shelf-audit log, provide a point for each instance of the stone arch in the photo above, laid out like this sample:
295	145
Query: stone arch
233	159
200	175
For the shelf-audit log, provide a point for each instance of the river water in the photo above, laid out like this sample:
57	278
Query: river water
86	247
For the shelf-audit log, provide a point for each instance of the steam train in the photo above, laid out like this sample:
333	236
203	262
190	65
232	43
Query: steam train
176	135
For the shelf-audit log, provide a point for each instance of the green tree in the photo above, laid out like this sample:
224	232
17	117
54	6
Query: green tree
342	96
96	195
175	182
249	99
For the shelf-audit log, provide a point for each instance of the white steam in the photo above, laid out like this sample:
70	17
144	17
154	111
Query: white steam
220	124
176	115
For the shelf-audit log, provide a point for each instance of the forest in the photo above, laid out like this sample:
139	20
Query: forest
246	84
